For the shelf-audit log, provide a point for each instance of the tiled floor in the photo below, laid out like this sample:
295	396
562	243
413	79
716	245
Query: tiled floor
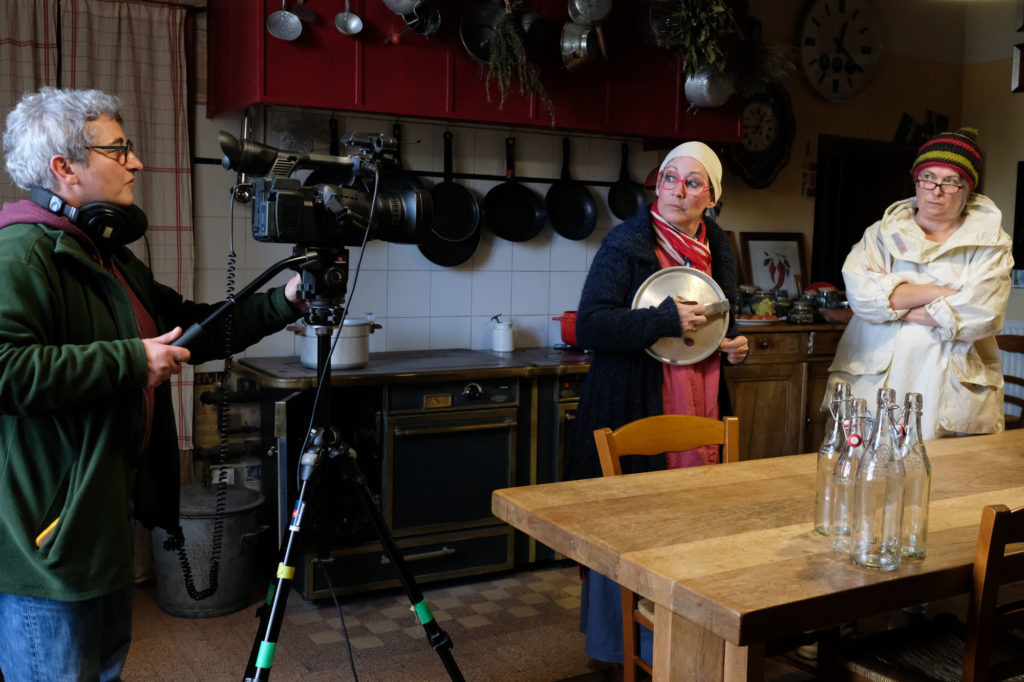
512	627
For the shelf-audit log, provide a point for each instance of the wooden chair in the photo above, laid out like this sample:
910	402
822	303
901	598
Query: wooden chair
987	648
1012	343
653	436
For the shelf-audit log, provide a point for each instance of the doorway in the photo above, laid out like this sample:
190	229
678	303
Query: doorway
856	181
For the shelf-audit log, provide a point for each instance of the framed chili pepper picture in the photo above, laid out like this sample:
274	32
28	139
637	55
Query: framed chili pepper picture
774	260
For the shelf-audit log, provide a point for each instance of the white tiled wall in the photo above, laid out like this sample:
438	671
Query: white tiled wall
421	305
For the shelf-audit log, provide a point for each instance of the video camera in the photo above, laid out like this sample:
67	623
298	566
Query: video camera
333	207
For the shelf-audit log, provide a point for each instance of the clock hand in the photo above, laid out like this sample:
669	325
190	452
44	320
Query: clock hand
850	60
841	38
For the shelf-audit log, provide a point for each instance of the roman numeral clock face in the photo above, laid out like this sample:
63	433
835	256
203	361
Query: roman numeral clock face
840	45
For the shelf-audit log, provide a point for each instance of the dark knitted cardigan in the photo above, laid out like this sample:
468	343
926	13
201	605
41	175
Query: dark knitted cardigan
624	383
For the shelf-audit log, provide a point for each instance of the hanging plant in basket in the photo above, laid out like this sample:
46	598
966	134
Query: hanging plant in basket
509	62
696	30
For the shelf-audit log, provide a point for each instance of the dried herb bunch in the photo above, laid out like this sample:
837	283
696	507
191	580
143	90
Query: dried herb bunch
509	61
696	30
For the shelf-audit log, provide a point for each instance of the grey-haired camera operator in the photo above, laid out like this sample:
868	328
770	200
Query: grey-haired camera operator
87	436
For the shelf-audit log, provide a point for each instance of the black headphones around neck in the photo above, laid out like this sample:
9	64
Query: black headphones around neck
105	222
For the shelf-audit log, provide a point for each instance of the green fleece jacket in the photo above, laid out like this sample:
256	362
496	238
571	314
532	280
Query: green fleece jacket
72	373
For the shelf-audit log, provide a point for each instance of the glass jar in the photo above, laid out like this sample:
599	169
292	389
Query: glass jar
801	312
747	292
761	303
780	297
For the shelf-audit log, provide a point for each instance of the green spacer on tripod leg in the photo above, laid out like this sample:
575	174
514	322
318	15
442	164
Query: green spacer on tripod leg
265	657
423	611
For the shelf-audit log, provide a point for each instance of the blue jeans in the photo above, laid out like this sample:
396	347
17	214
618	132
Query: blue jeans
42	640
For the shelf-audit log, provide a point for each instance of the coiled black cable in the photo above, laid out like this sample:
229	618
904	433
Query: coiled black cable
176	541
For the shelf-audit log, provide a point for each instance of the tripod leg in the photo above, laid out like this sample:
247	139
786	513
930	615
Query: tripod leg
438	638
264	646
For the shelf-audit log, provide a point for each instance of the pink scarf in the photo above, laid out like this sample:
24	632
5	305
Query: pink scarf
681	248
688	389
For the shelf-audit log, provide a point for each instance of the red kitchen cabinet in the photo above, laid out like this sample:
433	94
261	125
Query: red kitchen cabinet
387	69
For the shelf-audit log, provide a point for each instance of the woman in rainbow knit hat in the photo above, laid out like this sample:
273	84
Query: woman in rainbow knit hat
928	285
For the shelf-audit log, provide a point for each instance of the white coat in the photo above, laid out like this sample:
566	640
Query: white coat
955	366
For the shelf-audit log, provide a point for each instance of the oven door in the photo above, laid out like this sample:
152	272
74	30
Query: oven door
440	469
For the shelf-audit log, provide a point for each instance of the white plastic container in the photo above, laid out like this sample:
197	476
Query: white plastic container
503	336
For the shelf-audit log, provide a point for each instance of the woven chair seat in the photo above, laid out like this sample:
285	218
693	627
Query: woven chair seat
927	652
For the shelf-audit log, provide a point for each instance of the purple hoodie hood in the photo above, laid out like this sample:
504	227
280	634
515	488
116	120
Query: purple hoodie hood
26	211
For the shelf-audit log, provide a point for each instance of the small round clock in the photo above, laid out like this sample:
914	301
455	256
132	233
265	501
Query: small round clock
767	129
840	44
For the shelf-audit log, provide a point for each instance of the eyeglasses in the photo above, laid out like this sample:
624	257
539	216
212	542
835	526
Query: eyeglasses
692	184
946	187
123	150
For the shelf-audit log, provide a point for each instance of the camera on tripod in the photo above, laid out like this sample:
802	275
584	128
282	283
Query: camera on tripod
337	205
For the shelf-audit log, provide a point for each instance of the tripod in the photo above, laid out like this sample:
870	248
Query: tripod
324	281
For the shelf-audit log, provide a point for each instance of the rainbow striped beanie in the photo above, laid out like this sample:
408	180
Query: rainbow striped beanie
957	150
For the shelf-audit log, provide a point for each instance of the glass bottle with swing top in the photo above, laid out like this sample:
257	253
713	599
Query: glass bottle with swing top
918	481
876	526
831	447
844	477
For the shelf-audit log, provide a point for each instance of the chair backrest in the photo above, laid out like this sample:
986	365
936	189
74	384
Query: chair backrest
1011	343
665	433
993	568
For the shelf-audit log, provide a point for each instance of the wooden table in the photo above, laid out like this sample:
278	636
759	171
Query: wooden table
728	556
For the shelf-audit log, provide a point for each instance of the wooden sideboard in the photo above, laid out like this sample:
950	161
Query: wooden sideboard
777	393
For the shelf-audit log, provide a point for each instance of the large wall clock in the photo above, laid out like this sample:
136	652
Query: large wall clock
767	129
840	43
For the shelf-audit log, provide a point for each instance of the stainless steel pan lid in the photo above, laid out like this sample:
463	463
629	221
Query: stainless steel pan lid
686	284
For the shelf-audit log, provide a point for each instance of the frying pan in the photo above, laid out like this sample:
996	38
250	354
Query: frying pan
570	204
625	197
512	210
456	213
447	253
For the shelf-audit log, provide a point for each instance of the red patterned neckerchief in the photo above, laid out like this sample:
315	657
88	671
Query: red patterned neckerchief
681	248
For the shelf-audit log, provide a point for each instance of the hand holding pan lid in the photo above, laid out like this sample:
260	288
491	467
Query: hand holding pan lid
686	285
513	211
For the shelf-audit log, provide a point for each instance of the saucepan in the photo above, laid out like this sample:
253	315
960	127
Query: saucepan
589	12
568	320
580	46
351	351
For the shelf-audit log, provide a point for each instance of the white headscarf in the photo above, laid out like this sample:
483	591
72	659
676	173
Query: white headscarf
707	158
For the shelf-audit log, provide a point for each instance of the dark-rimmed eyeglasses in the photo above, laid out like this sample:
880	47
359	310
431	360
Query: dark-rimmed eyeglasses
692	184
946	187
122	150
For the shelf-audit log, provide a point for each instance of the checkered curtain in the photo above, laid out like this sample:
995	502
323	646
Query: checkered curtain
135	50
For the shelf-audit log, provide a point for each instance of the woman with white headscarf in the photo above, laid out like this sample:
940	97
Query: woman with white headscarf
625	383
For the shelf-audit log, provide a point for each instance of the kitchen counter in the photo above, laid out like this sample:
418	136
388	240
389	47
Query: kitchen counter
412	366
457	363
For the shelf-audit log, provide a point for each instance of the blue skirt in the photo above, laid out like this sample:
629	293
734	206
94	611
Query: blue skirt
601	620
